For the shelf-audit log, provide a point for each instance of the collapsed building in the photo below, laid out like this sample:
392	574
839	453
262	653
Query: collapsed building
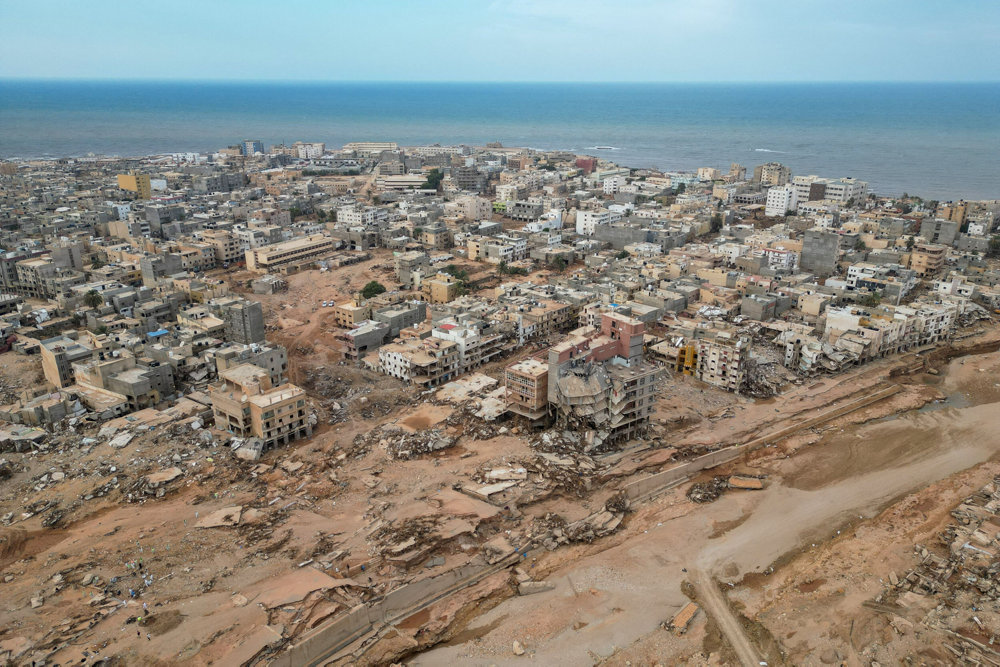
596	383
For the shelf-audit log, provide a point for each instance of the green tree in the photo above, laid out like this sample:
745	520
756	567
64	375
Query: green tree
97	263
871	299
681	187
434	179
93	299
622	254
994	248
373	288
503	268
716	223
859	244
559	264
910	243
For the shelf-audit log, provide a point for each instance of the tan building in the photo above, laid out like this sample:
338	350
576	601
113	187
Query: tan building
247	404
352	313
927	259
527	384
137	183
307	248
442	288
225	245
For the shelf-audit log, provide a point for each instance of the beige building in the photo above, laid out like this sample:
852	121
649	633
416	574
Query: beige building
140	184
442	288
527	384
248	404
267	258
927	259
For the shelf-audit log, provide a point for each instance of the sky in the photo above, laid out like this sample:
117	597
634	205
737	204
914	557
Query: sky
502	40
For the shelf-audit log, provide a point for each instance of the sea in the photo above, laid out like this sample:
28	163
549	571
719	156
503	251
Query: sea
936	140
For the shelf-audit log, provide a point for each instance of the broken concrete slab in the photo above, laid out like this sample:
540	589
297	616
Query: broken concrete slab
532	587
227	516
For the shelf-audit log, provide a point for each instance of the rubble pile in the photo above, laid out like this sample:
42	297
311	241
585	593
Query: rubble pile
762	380
955	584
402	445
466	418
706	492
344	391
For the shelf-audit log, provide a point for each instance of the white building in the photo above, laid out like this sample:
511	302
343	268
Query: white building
586	221
780	200
613	184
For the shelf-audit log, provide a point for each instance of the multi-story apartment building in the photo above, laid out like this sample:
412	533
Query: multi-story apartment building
427	362
780	200
927	259
526	383
247	404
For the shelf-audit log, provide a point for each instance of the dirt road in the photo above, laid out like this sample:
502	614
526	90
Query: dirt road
716	606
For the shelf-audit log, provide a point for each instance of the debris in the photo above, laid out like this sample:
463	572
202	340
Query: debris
517	648
532	587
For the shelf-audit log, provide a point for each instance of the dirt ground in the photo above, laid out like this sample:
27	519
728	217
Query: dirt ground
223	560
835	517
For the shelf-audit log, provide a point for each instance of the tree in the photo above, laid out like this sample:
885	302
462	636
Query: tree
559	264
97	263
716	223
910	243
681	187
373	288
503	268
871	299
994	248
622	254
417	231
434	179
859	244
93	299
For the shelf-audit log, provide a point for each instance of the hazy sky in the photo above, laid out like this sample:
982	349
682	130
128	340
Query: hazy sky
503	40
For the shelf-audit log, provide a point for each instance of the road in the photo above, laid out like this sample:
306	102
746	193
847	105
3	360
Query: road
715	605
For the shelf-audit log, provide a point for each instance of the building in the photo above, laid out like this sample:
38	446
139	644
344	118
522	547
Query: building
368	148
296	251
247	404
780	200
140	184
425	362
250	147
939	231
587	221
771	174
717	357
58	356
820	250
927	259
244	321
527	388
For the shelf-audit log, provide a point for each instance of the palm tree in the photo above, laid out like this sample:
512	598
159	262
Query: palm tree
93	299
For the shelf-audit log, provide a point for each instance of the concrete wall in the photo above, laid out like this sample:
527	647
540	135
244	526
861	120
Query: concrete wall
327	639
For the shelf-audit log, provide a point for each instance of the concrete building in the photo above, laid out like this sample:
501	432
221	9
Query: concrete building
527	390
781	200
140	184
927	259
820	250
771	174
292	252
939	231
246	403
58	356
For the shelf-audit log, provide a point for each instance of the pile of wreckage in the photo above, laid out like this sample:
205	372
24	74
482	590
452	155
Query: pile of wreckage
955	592
402	445
706	492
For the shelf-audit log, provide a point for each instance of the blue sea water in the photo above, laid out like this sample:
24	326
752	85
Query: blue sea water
941	140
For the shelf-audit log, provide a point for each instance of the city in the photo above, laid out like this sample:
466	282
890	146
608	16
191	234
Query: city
314	404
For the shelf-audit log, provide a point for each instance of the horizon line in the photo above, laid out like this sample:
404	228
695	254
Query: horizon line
58	79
